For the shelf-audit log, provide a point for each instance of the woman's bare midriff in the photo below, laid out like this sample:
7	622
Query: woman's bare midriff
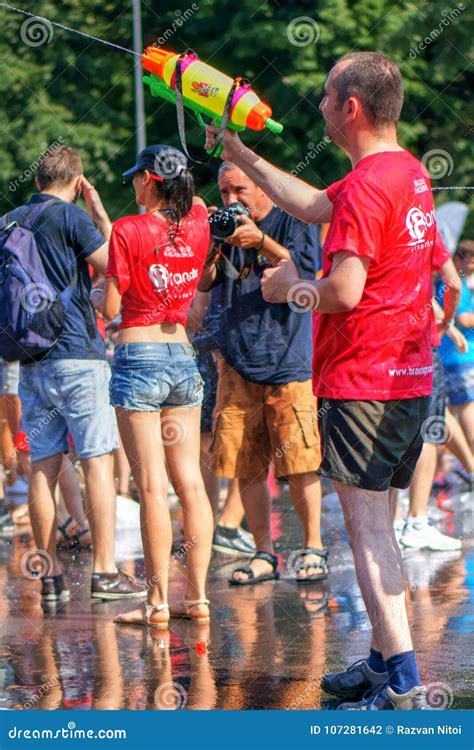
162	333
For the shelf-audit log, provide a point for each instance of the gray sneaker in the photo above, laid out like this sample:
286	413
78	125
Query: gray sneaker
235	542
7	526
385	699
354	682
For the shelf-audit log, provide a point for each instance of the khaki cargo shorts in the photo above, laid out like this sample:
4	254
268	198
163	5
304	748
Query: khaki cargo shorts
255	424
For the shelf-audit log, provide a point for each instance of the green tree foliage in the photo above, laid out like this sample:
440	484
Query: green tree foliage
82	92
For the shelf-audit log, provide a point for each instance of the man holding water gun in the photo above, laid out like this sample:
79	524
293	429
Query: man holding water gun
372	368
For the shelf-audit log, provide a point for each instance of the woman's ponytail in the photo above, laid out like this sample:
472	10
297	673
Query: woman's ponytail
178	193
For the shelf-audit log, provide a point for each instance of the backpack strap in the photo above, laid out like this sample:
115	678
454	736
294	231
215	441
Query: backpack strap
34	213
31	213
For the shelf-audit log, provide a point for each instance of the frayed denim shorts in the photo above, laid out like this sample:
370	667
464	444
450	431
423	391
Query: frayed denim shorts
151	376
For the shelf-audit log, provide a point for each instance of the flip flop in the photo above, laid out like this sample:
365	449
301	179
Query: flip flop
252	578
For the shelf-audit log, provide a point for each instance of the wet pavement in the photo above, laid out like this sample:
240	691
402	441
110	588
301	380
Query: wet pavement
267	646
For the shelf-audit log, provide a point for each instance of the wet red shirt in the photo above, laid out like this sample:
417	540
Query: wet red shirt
381	350
157	278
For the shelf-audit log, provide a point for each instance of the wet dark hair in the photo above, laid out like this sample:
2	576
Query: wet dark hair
376	81
177	193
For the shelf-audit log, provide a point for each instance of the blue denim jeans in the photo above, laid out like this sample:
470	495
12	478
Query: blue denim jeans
61	396
148	377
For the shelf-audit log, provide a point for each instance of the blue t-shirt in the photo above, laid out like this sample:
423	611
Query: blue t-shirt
65	236
265	342
450	356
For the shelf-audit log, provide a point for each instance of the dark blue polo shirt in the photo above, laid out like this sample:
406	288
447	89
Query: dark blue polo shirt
265	342
65	236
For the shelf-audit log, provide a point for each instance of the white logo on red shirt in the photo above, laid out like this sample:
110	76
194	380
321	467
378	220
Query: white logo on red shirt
417	222
178	251
161	278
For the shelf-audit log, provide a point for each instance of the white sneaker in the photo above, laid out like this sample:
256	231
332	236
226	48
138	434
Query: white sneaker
425	536
398	527
127	513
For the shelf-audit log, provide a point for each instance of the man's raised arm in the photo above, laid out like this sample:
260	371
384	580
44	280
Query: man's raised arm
293	195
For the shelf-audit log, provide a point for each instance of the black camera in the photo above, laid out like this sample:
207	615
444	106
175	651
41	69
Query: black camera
225	221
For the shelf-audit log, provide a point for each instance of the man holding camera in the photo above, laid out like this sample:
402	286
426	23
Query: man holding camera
265	411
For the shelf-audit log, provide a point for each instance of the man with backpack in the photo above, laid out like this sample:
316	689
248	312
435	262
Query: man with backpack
48	323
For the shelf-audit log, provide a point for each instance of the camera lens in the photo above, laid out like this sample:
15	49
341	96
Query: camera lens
225	221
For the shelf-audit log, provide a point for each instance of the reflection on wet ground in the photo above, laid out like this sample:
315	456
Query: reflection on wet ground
266	648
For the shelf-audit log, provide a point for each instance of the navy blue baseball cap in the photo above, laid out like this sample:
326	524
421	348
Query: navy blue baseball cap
162	162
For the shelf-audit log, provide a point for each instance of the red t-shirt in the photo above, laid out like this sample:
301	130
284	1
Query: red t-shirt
381	350
156	277
440	256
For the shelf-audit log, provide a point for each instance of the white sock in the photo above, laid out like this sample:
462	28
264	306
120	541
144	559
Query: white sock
418	522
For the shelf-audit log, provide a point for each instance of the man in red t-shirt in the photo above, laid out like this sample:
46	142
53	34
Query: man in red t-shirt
372	351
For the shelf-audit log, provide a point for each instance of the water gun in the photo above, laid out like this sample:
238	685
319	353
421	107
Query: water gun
185	80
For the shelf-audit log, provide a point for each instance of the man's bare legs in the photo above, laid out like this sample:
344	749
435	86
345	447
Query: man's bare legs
70	493
457	443
422	481
465	414
100	510
378	566
42	507
212	483
257	505
305	492
233	512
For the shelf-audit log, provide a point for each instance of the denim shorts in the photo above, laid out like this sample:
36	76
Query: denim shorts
151	376
67	396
